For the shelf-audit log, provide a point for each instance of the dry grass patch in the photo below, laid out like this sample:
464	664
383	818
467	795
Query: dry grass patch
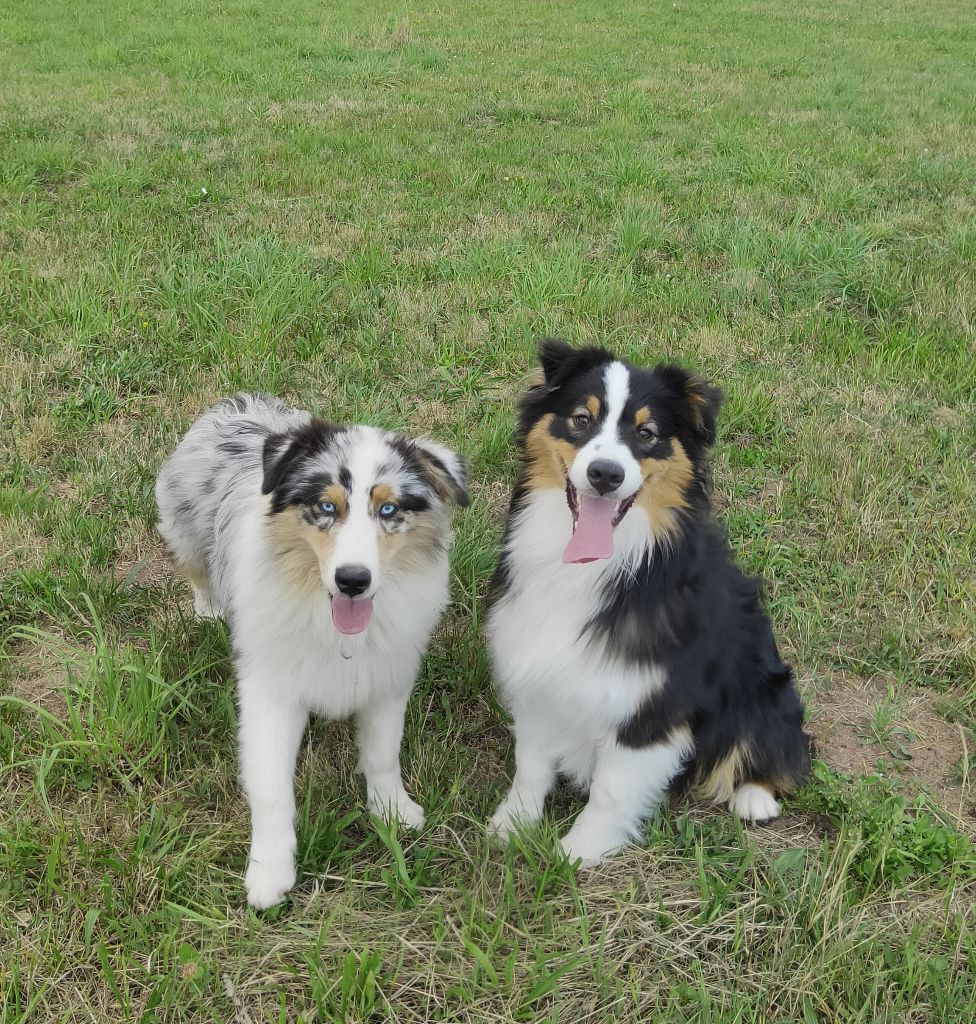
142	557
40	678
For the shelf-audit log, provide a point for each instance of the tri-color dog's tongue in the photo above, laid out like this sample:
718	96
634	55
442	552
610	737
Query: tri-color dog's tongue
351	615
593	537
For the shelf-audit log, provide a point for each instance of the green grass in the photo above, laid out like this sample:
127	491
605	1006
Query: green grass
375	214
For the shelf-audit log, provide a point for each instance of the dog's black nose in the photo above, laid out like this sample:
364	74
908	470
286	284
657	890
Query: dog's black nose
353	580
605	475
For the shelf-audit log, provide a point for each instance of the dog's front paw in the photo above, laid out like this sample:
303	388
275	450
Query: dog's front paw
507	820
501	825
268	881
754	803
397	807
589	846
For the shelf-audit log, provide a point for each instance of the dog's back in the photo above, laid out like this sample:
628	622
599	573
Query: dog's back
219	456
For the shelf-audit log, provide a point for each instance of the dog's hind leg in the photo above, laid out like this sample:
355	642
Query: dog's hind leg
735	780
755	802
181	534
205	603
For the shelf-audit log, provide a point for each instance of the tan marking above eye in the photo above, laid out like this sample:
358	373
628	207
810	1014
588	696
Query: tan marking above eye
380	495
642	416
593	406
339	497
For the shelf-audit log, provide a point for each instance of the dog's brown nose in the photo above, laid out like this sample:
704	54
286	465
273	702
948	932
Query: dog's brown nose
353	580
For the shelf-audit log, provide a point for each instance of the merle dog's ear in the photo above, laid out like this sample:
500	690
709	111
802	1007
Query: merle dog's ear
703	401
280	452
444	469
561	362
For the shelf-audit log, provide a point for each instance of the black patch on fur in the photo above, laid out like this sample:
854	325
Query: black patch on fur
345	477
236	449
238	403
414	501
443	479
561	362
570	377
427	467
691	613
692	402
283	460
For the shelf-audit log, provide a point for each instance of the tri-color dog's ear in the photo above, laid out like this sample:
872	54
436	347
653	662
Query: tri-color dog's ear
444	469
561	362
703	401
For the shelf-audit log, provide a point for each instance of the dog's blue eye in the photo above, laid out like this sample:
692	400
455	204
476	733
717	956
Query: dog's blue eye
388	510
328	507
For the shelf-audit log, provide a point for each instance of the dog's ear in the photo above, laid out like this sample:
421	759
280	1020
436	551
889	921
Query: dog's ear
282	452
444	469
561	362
703	401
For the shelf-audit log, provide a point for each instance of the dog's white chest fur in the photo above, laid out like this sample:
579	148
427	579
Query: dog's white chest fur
540	646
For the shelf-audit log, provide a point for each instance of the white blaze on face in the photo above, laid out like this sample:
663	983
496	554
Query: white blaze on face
593	530
357	537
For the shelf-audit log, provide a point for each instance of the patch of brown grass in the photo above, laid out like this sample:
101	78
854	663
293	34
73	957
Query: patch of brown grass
39	677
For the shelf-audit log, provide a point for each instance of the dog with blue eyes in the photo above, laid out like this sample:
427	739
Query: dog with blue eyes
325	549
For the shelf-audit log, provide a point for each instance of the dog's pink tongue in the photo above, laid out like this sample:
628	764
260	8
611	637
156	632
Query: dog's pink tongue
351	616
593	538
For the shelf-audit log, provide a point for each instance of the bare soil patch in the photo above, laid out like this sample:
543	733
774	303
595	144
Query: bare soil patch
861	728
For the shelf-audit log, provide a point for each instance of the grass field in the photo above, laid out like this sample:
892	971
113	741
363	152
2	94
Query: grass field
374	213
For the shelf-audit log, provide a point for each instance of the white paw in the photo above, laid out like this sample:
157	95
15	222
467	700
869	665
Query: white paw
589	845
267	882
506	821
754	803
397	807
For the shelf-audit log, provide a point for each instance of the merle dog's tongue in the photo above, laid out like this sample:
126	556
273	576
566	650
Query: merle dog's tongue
351	616
593	538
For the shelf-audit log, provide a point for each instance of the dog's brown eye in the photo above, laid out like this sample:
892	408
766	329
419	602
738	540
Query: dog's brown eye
645	434
582	420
